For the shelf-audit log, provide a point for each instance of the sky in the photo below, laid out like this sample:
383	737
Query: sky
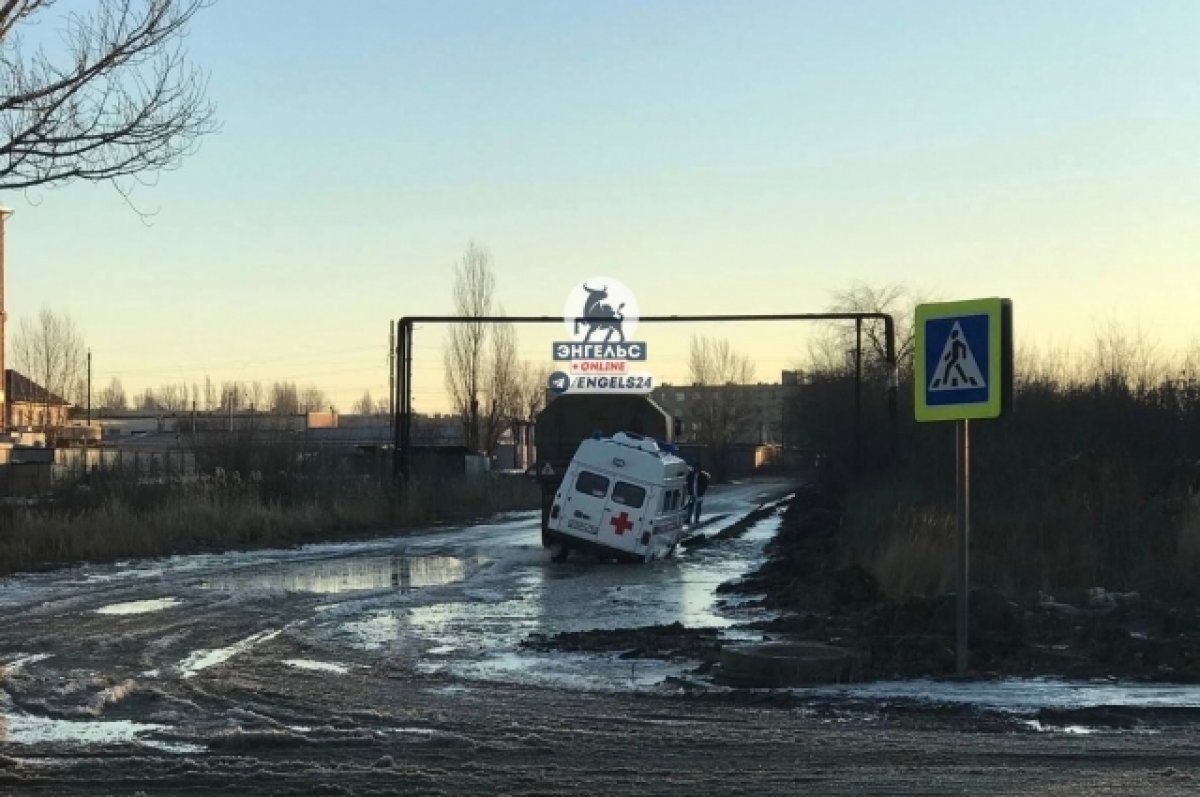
716	157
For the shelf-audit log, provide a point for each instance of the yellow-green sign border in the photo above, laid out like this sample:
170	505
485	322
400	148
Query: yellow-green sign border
993	406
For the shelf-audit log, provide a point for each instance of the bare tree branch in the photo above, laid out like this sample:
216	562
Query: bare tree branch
833	352
120	100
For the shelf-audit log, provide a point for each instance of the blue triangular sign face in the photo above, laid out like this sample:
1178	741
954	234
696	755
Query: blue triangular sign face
956	368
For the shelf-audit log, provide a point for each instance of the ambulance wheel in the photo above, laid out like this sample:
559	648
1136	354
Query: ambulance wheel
559	552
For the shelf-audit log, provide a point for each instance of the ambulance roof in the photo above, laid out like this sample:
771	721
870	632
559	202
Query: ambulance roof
639	457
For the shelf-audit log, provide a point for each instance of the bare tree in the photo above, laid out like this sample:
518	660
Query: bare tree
117	99
112	397
1049	366
50	351
210	394
77	392
1125	360
231	396
466	350
148	400
532	390
833	352
725	409
255	391
365	405
312	399
172	398
285	400
503	385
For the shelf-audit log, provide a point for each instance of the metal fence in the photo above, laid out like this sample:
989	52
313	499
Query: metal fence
154	465
54	467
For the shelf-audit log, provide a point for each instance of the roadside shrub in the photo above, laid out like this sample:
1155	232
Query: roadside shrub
1090	481
913	552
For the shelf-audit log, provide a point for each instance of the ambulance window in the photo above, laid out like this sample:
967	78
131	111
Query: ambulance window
591	484
628	494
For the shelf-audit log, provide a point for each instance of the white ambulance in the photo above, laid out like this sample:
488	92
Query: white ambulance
622	497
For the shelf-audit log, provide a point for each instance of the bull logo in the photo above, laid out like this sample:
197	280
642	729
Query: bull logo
599	314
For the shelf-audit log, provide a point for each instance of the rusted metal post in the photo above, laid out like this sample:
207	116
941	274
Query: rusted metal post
858	396
406	400
397	433
889	330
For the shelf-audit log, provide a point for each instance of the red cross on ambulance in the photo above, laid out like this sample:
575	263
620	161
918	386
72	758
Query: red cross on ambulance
621	522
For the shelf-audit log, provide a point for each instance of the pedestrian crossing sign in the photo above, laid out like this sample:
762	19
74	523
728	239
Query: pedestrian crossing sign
963	359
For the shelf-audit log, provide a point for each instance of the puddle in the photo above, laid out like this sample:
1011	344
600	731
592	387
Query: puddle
476	636
21	661
1071	730
103	578
27	729
576	671
203	659
317	666
374	633
414	731
1024	694
331	576
455	690
139	607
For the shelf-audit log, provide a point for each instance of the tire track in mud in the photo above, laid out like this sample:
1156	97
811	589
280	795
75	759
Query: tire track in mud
391	732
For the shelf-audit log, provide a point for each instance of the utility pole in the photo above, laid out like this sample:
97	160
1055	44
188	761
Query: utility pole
88	431
4	214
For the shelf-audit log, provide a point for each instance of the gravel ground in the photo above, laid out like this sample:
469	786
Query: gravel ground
235	675
392	731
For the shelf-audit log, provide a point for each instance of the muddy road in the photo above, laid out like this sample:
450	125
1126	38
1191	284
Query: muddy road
402	666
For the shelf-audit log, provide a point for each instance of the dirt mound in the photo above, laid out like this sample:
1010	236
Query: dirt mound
1092	634
674	641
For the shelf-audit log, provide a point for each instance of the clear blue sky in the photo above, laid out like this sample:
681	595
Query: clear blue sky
732	156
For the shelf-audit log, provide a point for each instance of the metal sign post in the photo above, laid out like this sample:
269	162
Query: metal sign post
963	370
963	506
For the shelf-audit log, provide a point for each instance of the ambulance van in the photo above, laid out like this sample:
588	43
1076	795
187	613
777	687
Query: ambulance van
622	497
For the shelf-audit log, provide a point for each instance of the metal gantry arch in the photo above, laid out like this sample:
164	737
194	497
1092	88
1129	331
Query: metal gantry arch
405	327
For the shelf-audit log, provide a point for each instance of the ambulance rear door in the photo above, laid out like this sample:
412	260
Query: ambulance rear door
625	515
584	498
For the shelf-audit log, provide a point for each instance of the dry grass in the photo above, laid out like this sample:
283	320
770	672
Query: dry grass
1187	546
913	553
201	519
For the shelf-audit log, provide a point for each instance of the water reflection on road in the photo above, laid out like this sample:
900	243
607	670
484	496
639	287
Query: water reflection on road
333	576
